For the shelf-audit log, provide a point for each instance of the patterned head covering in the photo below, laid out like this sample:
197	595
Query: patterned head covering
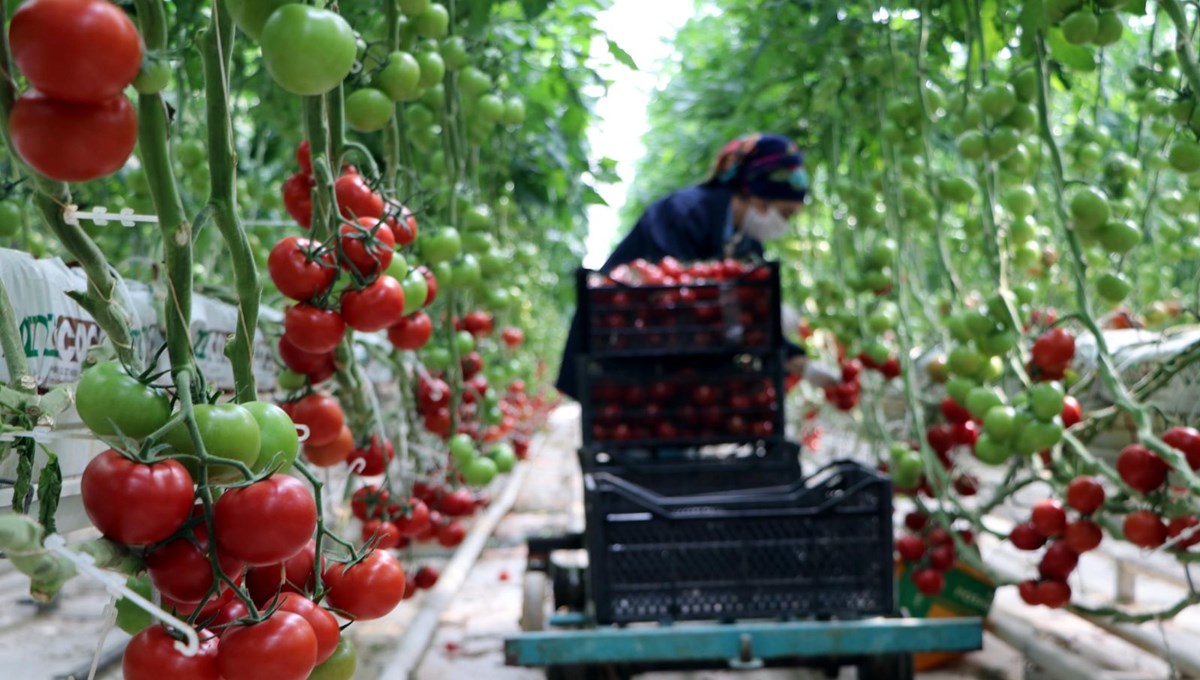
763	165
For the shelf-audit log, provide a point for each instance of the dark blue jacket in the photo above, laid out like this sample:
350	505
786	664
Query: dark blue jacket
690	224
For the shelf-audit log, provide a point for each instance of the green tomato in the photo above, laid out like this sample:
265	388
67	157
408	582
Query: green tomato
480	471
1057	10
990	451
191	154
400	77
436	358
959	388
131	618
956	324
997	345
464	342
1120	236
440	245
1112	287
433	69
1089	209
434	22
467	275
490	108
906	469
462	449
514	112
980	400
11	217
474	83
478	242
499	298
1024	118
251	15
972	145
964	361
878	351
1185	156
290	380
1081	27
1039	436
340	666
444	273
882	254
414	8
1027	254
980	324
991	369
419	116
278	441
454	52
308	51
109	401
398	268
998	99
368	110
153	78
1109	29
1020	201
228	431
1046	400
416	291
1025	85
477	218
503	456
1002	142
999	421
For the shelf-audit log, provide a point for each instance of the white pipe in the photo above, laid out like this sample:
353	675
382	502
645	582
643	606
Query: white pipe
1058	663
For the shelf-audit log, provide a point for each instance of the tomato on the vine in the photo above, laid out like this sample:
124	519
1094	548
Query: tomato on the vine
313	329
109	400
411	332
316	366
367	246
280	502
336	451
1141	468
296	574
282	647
180	569
375	458
1145	529
278	441
134	503
355	198
308	51
375	307
324	625
340	665
151	655
1085	495
368	589
298	271
227	431
49	134
297	197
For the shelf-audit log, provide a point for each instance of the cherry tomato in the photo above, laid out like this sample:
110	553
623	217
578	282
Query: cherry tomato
369	589
328	455
414	520
136	504
1187	440
929	582
181	570
368	247
297	271
324	625
1141	468
151	655
1085	495
411	332
322	415
1049	518
1053	593
283	647
75	50
49	135
370	502
355	198
1058	561
458	503
1083	535
383	533
1054	350
313	329
375	307
1145	529
305	362
1188	524
910	548
282	503
1026	537
512	337
404	227
297	198
375	457
452	534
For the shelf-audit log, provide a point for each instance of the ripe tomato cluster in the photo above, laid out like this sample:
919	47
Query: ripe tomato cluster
1068	540
929	551
1146	473
74	124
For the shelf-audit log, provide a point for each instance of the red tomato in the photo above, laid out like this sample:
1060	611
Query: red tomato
1053	350
181	570
234	610
207	609
1072	412
1187	440
151	655
355	198
942	557
312	329
966	433
305	362
383	532
304	157
75	50
404	227
1029	592
283	647
297	198
297	271
451	535
1179	525
1049	518
954	412
479	323
1085	495
1145	529
940	438
457	504
929	582
1141	468
916	521
1026	537
911	548
1053	593
324	625
136	504
369	589
73	141
336	451
367	247
322	415
374	308
266	522
426	578
412	331
370	502
375	457
512	337
1058	561
413	521
431	281
294	575
890	368
1083	535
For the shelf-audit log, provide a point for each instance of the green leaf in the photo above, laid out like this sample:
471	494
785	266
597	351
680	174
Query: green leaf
23	489
49	492
993	42
534	8
621	55
1077	57
591	197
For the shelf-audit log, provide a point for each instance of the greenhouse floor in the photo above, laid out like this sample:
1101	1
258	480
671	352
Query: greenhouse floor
457	630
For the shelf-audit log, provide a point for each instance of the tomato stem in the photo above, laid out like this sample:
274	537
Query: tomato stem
13	348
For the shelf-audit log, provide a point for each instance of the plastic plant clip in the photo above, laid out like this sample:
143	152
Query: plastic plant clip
114	583
43	435
302	432
101	216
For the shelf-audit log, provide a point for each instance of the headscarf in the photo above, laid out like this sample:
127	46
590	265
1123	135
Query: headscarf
763	165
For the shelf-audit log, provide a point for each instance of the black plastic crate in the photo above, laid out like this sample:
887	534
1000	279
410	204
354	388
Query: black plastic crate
701	469
739	313
682	401
819	548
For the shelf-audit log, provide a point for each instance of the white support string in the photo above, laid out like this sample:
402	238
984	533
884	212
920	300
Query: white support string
101	216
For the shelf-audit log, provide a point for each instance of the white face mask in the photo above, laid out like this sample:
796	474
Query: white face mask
764	226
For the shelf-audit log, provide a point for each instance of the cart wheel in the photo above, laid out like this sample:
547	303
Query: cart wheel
533	602
886	667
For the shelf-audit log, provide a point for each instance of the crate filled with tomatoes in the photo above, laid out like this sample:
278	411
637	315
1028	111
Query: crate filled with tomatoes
682	400
664	308
772	552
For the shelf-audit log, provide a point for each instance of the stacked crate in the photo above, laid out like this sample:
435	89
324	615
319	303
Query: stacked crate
696	507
